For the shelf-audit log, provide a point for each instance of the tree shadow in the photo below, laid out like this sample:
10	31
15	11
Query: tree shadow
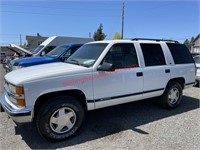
108	121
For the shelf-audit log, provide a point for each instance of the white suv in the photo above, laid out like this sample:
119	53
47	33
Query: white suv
99	74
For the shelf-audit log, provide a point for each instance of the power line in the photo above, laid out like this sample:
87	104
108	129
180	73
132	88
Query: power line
34	13
64	8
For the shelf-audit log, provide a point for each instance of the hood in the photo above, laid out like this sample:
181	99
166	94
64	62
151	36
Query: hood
30	61
18	48
45	71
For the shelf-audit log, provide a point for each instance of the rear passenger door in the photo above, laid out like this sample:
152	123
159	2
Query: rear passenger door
156	72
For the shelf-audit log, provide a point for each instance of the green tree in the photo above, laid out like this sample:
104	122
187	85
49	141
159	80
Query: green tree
99	35
117	36
187	43
192	40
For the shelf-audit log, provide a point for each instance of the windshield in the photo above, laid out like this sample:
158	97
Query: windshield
57	51
37	49
197	59
87	54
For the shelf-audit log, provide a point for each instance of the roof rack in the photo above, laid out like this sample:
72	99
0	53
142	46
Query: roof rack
157	40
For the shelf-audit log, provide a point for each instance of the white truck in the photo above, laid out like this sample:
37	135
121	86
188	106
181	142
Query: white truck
97	75
50	44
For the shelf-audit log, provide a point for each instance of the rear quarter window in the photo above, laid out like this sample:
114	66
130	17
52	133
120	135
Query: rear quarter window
180	53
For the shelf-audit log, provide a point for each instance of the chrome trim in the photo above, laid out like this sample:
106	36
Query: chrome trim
18	114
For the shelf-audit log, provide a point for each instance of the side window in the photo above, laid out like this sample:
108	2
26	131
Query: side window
71	51
48	49
180	53
153	54
122	55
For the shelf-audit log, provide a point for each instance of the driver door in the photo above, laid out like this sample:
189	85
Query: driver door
122	85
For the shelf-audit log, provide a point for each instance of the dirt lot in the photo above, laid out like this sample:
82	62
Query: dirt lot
140	125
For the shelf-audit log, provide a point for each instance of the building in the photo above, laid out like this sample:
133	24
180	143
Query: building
195	48
34	41
4	49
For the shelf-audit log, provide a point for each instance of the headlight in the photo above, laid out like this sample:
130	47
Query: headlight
16	89
16	67
19	90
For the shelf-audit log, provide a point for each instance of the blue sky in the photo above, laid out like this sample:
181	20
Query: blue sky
143	18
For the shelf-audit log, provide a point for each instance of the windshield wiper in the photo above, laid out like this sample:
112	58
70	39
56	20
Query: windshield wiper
73	61
76	62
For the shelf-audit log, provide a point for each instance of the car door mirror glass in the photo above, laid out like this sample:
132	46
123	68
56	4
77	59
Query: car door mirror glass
106	67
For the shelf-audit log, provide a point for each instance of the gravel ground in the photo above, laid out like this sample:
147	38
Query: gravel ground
139	125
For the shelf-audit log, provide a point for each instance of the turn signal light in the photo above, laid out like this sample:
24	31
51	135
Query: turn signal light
19	90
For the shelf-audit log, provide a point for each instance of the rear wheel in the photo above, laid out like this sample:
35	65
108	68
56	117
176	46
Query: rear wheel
172	96
60	118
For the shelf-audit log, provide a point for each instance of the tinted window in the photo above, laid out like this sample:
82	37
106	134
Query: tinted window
71	51
48	49
153	54
122	56
180	53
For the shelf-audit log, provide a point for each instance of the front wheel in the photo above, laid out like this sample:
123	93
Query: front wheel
60	118
172	96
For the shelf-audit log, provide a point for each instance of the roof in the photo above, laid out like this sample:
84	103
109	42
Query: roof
29	37
135	41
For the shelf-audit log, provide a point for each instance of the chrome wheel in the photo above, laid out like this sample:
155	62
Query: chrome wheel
173	96
63	120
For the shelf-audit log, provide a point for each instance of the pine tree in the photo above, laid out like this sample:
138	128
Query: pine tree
99	35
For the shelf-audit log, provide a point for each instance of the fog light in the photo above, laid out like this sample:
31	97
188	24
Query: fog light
20	102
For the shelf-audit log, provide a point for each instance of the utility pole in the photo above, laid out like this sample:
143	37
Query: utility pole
20	39
89	35
122	19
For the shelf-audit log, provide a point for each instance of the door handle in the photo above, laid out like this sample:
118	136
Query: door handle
167	70
139	74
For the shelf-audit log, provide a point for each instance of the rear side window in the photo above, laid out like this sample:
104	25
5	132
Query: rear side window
180	53
153	54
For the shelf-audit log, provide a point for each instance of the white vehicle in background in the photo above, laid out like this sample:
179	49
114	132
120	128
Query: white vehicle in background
197	62
50	44
54	41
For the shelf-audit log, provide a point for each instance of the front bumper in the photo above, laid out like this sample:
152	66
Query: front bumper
8	69
18	114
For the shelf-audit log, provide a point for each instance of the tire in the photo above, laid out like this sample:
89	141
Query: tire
60	118
172	96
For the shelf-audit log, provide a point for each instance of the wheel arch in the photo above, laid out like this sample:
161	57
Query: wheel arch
180	80
45	97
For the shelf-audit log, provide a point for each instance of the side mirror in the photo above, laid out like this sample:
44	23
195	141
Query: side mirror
43	53
106	67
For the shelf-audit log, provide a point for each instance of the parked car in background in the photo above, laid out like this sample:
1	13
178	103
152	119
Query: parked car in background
59	54
45	47
49	44
195	54
54	41
197	62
